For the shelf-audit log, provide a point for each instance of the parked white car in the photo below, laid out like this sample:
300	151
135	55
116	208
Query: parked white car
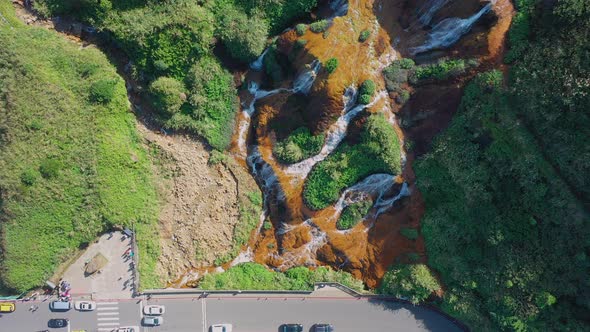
154	310
85	305
221	328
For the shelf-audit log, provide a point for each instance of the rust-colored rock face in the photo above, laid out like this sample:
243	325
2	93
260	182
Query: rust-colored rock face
300	236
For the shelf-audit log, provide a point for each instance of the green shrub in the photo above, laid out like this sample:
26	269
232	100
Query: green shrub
366	92
364	99
368	88
28	177
273	65
414	282
255	276
36	125
50	168
244	36
403	97
267	225
217	157
365	34
167	94
301	29
300	145
378	152
300	43
319	26
406	63
352	214
442	70
102	91
394	76
212	103
331	65
161	67
409	233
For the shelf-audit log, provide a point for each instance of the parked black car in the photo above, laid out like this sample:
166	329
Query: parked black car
291	328
56	323
323	328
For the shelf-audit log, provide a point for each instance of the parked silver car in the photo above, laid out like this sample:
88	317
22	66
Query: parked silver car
153	321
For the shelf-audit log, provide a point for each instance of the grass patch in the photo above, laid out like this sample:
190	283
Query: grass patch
253	276
378	152
300	145
353	214
319	26
93	172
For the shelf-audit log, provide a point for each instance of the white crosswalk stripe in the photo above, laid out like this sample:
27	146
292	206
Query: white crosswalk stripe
107	315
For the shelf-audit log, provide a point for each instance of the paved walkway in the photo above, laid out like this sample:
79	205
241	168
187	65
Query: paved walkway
115	280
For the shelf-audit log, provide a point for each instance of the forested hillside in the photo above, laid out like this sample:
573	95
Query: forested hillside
171	43
71	161
506	185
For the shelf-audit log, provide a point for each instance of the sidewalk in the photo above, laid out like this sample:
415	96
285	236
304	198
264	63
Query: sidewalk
115	279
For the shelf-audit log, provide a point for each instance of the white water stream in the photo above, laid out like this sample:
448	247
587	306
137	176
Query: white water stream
449	31
336	132
339	7
376	186
429	9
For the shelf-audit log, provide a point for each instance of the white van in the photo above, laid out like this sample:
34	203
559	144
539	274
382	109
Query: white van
60	306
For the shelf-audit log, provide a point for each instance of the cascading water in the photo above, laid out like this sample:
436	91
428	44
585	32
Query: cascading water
429	9
303	82
449	31
376	186
266	177
339	7
306	254
258	63
336	132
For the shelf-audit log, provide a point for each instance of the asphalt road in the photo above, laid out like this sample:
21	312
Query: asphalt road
247	314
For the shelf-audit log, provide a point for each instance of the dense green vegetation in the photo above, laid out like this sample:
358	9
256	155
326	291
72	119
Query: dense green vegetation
258	277
72	163
319	26
378	152
331	65
353	214
443	69
409	233
506	185
366	92
300	145
364	35
413	282
211	105
175	39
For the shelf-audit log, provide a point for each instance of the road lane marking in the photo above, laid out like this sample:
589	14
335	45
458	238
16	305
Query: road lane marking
107	308
109	324
105	329
204	314
140	309
108	318
108	313
107	303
